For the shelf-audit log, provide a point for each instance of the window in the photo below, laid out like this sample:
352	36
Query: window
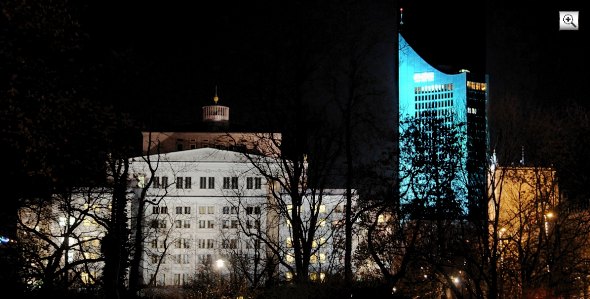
211	182
157	182
322	209
249	183
249	210
234	210
257	183
256	210
177	279
210	210
289	242
187	183
178	223
179	182
164	182
210	243
225	210
225	224
234	224
154	259
210	224
203	182
202	223
187	224
159	210
177	243
226	183
233	243
154	223
155	243
202	210
234	182
202	243
225	244
162	224
178	210
187	210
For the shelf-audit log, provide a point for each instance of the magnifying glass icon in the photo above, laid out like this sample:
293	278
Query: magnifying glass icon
569	19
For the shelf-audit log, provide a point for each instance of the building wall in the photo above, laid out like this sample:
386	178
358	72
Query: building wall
328	242
193	225
425	91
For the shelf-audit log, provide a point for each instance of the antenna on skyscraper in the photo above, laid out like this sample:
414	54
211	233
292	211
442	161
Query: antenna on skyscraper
401	18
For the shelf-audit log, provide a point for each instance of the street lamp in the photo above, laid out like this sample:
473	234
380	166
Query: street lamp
219	264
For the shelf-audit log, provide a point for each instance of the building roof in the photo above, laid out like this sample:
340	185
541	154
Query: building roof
202	155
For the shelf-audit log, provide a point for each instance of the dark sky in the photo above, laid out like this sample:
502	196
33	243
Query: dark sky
178	53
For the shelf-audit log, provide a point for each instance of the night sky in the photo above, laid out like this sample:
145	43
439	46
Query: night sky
169	58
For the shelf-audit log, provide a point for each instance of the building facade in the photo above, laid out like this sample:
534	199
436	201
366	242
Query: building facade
441	103
199	202
212	212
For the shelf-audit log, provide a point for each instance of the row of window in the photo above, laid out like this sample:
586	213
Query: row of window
207	182
204	210
433	88
203	244
434	96
434	104
162	223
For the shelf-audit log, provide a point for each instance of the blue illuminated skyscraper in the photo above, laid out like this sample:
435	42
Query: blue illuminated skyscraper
444	108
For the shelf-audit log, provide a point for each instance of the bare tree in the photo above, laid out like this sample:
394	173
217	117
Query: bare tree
60	237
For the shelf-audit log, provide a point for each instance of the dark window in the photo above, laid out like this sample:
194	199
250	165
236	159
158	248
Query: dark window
187	183
249	183
234	182
211	182
203	182
179	182
257	183
226	183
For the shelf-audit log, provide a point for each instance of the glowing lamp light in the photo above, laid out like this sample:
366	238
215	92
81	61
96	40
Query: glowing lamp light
219	263
4	240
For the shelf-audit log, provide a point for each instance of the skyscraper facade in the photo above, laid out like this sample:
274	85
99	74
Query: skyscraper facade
443	108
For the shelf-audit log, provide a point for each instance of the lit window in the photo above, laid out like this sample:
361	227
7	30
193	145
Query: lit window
322	222
289	242
290	258
322	208
289	276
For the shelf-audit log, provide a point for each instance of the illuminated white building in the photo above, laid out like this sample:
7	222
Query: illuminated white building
199	202
327	254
